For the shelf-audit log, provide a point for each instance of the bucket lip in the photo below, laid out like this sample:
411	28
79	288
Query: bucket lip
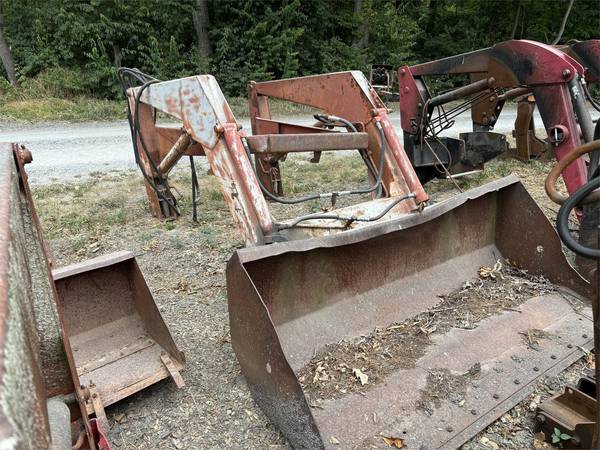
7	178
434	211
88	265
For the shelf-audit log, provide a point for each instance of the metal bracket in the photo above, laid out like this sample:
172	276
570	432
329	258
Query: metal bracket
571	412
177	378
98	408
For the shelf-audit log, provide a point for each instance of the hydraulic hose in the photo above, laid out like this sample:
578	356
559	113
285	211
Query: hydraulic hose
145	80
376	186
562	220
331	121
349	219
552	177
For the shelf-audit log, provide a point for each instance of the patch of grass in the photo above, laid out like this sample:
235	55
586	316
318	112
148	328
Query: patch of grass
208	235
57	94
55	109
215	195
239	106
78	243
176	242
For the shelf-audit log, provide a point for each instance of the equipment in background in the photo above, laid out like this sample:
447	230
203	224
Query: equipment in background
508	70
382	77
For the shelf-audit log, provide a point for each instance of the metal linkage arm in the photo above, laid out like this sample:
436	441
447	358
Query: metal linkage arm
552	76
346	95
206	117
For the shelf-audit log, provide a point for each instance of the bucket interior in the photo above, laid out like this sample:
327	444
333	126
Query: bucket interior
115	331
413	310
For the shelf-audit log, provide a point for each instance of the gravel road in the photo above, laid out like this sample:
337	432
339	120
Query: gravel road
70	151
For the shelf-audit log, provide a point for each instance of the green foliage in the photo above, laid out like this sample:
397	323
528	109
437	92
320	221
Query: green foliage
71	48
559	436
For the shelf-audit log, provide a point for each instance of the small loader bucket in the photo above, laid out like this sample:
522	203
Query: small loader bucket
417	331
118	339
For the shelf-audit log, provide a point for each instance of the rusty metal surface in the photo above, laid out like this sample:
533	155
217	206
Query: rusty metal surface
197	101
114	329
528	145
205	114
347	95
23	412
514	62
470	62
287	301
179	148
573	413
269	126
284	143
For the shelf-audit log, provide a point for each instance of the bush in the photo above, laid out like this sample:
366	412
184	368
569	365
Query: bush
57	82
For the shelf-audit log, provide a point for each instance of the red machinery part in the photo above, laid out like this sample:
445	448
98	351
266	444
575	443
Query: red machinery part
552	75
207	119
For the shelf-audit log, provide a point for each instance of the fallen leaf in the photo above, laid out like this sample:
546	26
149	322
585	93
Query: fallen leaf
394	442
491	272
362	377
334	441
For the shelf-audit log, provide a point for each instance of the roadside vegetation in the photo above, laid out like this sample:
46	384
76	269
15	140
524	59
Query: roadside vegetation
60	57
59	95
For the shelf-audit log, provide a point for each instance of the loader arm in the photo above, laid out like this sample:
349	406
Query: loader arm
551	75
210	129
206	117
347	95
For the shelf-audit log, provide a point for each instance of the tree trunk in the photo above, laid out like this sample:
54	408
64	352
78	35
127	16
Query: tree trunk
118	56
517	17
563	23
201	22
363	41
6	57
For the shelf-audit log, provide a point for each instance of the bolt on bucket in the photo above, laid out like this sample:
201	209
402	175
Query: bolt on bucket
117	337
420	330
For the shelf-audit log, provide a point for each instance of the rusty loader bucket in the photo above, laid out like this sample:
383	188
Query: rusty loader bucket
416	331
119	341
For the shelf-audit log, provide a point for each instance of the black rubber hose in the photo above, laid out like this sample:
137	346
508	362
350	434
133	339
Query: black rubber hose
323	118
122	74
350	219
307	198
562	220
195	189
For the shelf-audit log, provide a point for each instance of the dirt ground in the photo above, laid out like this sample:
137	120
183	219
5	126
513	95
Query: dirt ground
184	263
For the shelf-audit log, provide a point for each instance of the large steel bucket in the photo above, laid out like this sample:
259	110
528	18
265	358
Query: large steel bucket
309	319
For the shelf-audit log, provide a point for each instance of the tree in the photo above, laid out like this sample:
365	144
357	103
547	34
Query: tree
201	23
563	23
6	56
